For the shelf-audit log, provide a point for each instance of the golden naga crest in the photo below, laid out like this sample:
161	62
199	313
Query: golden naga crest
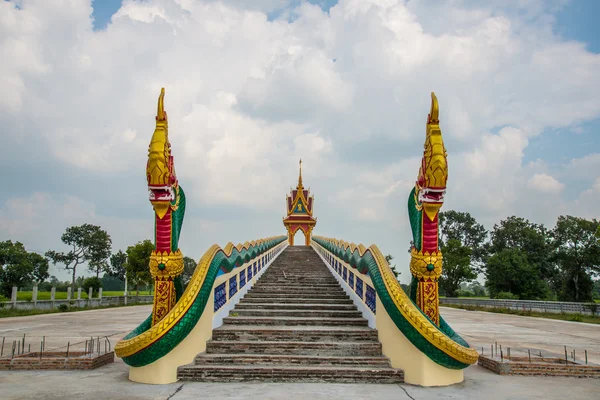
160	170
165	265
426	265
433	173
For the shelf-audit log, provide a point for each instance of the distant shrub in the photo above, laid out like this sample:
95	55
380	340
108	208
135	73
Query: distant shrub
575	318
63	307
506	296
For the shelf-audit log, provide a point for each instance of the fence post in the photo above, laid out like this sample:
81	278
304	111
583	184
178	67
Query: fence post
53	295
100	297
69	293
78	294
90	292
13	296
34	295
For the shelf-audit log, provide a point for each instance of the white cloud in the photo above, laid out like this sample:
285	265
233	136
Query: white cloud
246	97
545	183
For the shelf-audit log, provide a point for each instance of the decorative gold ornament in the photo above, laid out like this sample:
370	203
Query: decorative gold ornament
165	265
420	264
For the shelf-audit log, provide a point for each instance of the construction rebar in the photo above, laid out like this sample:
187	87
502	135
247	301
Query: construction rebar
529	354
566	358
41	349
586	356
68	348
2	350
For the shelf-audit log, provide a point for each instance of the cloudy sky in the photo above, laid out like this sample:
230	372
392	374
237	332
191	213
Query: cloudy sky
250	89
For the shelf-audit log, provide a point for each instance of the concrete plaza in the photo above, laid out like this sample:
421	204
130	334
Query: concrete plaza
478	328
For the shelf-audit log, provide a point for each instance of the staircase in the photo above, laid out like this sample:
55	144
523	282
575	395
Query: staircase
295	325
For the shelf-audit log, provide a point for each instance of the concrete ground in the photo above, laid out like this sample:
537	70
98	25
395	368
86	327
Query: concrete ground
478	328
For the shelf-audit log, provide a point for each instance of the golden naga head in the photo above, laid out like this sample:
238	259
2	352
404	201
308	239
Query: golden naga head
433	174
160	171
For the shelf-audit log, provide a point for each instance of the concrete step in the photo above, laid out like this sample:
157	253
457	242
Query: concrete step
294	321
306	292
295	283
284	373
294	333
270	359
295	286
344	349
283	295
289	300
298	313
294	306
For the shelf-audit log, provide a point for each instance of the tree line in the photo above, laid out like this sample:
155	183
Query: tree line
89	245
517	258
520	259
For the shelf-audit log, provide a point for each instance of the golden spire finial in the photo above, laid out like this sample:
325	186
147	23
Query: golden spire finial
434	113
161	115
300	176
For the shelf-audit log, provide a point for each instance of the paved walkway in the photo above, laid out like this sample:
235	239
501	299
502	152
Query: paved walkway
479	328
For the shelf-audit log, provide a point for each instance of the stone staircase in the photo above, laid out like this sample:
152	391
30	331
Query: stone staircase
295	325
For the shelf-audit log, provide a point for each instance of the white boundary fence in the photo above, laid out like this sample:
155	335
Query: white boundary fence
527	305
81	303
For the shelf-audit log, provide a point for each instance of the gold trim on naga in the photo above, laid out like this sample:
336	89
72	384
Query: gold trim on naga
409	311
129	347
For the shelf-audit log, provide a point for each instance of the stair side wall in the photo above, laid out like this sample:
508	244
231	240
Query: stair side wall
418	368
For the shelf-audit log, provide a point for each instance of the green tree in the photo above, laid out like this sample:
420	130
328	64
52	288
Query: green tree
578	255
99	252
110	282
535	243
189	266
89	243
137	266
461	226
457	267
510	271
118	263
596	289
94	283
19	267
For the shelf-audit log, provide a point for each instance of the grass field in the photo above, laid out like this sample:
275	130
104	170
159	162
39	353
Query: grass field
27	296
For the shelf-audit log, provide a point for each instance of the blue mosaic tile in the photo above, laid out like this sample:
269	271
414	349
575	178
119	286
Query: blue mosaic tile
233	287
220	296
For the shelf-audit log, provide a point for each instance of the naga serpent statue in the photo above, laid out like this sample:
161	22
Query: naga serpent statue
416	315
176	312
424	203
168	200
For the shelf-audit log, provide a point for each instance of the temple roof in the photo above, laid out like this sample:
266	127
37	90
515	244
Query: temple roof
299	203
